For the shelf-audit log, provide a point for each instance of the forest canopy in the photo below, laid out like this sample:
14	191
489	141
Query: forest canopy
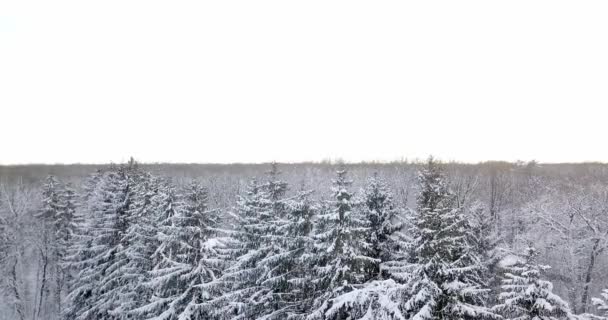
425	240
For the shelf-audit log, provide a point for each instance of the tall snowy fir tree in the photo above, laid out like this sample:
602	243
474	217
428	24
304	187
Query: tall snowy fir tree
93	290
526	296
165	204
258	275
190	259
341	262
485	240
382	219
138	244
445	281
382	242
299	258
57	214
80	251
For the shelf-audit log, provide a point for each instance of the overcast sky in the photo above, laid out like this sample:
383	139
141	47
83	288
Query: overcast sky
253	81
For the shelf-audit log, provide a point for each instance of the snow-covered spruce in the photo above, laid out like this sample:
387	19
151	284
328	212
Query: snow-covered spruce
602	303
57	216
445	280
259	286
382	219
526	296
187	259
378	296
485	240
93	291
341	261
139	245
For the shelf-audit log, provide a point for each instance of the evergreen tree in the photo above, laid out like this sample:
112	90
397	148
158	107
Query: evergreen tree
602	303
341	246
244	295
263	262
190	261
134	260
117	283
381	218
57	215
485	240
93	293
294	279
445	280
378	295
58	211
525	296
80	252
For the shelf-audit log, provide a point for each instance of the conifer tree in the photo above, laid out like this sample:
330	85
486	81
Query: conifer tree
139	243
57	215
445	281
116	285
262	268
292	279
381	218
80	252
602	303
341	246
189	265
244	296
93	293
526	296
485	240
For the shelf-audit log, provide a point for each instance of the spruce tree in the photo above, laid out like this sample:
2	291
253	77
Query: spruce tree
93	293
602	303
117	283
445	280
244	296
341	246
139	243
80	252
293	265
381	218
57	216
262	266
526	296
190	260
485	240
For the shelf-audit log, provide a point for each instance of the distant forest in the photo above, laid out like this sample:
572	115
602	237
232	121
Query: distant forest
317	241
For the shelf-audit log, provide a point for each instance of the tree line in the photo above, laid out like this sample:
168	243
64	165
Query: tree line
134	245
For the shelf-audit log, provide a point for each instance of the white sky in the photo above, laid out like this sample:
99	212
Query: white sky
253	81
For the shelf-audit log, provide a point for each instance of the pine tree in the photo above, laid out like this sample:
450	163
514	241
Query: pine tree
381	218
525	296
245	297
341	246
602	303
166	205
117	283
57	216
485	240
139	243
445	280
378	295
190	260
263	263
294	264
93	294
80	252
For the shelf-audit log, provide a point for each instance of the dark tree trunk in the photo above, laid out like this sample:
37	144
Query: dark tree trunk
17	296
588	275
45	262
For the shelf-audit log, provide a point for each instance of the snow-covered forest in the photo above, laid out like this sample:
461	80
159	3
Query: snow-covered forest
311	241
